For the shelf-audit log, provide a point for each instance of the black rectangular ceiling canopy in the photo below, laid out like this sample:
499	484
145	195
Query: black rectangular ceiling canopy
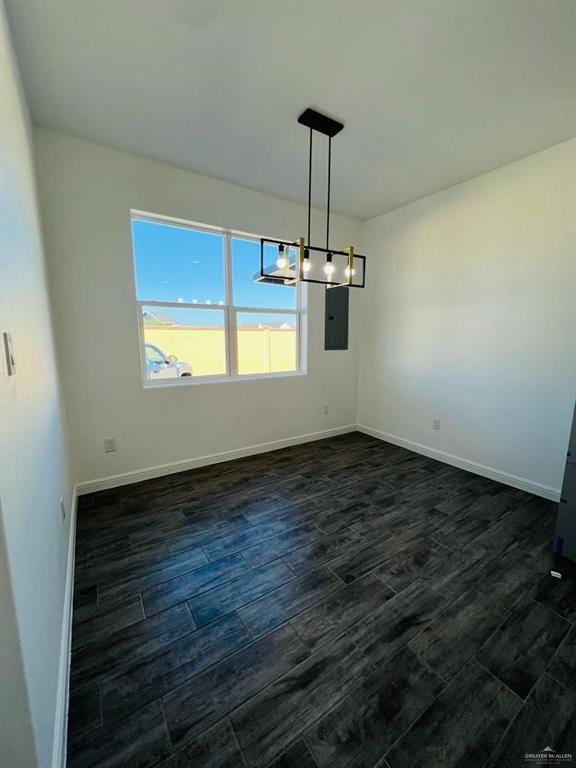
320	123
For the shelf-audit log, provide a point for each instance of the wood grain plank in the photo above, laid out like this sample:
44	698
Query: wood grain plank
213	694
359	731
461	727
278	606
521	648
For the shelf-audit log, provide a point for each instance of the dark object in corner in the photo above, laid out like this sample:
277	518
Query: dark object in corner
565	542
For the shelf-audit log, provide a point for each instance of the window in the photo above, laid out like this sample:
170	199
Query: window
202	313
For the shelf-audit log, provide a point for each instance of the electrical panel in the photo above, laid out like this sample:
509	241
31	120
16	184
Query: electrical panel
336	323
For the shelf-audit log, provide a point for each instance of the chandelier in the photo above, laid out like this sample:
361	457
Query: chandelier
288	262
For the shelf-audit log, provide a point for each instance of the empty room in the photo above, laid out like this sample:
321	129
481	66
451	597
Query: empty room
287	383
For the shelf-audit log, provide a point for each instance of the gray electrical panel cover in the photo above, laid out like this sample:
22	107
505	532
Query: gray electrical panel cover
336	314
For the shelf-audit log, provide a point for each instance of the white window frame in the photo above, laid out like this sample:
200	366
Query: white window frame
229	308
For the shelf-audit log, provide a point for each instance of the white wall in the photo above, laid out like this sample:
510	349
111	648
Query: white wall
86	193
33	467
16	734
471	318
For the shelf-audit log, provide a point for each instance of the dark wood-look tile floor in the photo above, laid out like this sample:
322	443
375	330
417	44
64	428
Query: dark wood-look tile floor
344	603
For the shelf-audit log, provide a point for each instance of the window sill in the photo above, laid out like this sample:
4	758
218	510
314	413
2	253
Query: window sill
186	381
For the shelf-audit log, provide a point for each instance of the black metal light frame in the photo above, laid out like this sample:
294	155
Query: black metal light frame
320	123
291	279
274	277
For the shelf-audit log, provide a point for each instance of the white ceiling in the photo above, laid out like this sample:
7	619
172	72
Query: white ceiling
432	91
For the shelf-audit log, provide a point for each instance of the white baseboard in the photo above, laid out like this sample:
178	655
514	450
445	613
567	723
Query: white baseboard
522	483
136	476
61	714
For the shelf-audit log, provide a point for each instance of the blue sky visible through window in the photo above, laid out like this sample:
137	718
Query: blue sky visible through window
177	264
182	265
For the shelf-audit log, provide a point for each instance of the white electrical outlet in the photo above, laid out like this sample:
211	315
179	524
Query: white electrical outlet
62	508
109	445
326	410
435	423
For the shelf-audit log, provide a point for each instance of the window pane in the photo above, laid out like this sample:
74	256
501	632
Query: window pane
177	264
183	342
267	343
246	267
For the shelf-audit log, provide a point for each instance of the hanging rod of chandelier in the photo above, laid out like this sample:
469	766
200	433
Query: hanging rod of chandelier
286	262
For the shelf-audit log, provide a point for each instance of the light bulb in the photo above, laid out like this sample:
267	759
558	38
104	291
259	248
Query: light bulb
306	266
347	271
329	267
281	261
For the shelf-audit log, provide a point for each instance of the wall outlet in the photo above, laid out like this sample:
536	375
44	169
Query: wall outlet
326	410
435	423
109	445
62	508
